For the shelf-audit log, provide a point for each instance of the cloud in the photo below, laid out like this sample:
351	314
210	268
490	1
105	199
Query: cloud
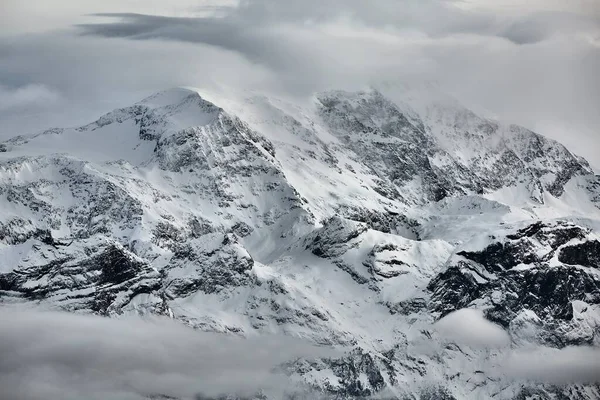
93	75
58	355
35	16
68	356
432	18
537	27
555	366
258	45
30	95
503	361
469	327
583	7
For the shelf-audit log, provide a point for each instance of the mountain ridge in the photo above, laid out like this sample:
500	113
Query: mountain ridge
355	222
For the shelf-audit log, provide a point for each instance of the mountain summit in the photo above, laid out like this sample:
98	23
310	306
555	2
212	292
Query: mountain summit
355	221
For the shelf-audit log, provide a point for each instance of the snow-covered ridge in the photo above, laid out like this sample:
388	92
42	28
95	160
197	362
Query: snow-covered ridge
355	221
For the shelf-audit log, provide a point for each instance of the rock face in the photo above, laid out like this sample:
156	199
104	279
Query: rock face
460	154
356	222
534	274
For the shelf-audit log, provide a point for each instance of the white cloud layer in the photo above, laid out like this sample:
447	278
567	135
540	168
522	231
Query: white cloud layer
65	356
31	95
555	366
50	355
469	327
505	361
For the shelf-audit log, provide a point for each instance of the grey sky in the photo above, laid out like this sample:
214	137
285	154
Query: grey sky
533	64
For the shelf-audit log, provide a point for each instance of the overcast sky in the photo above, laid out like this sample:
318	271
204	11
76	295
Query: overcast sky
535	63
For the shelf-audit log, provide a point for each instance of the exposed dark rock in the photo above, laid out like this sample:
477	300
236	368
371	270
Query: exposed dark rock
199	227
332	240
553	392
453	289
387	222
554	235
214	270
547	291
242	229
499	256
349	369
436	393
108	271
523	246
528	231
116	265
356	277
407	307
166	235
586	254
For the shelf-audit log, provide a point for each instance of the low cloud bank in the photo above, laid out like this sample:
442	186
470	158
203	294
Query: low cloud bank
569	365
65	356
32	95
556	366
469	327
49	355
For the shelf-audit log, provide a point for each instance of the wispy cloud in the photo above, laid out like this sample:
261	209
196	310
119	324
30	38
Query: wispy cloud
555	366
27	96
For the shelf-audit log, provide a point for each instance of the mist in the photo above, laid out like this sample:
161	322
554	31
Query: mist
52	355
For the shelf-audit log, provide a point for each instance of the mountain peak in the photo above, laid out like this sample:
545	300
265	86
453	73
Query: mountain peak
354	221
170	97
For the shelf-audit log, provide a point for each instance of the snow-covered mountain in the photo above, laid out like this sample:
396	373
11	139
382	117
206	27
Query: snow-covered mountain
354	221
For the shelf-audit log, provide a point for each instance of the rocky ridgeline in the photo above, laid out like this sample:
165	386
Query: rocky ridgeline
541	280
357	223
